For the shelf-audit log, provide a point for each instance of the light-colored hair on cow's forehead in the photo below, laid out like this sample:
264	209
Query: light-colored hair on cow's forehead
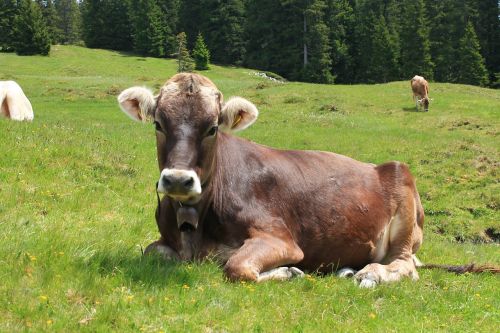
190	84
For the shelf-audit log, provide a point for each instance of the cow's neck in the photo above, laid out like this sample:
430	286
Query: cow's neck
189	220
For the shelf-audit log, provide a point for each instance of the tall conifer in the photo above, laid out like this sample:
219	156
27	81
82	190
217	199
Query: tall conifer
117	32
488	32
51	19
222	24
148	35
274	31
377	49
340	20
8	11
470	61
31	35
191	17
170	23
69	20
317	61
184	61
201	54
414	41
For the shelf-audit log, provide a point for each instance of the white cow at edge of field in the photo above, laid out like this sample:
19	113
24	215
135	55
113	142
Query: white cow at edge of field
13	102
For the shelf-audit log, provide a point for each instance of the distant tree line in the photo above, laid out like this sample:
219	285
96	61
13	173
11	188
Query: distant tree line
326	41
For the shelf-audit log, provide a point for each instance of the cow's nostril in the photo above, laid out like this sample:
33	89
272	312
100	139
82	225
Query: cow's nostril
189	183
166	182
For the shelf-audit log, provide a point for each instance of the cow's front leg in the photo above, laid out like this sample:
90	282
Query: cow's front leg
162	249
260	258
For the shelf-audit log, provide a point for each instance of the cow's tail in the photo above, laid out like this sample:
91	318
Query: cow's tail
462	269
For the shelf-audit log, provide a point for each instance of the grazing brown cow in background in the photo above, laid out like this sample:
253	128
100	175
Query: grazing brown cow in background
420	89
13	103
258	210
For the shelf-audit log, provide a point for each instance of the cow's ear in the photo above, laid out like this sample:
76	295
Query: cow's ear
237	114
138	103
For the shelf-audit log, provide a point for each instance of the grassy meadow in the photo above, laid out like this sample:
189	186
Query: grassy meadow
77	204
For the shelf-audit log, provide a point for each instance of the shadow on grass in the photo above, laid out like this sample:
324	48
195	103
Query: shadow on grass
152	271
410	110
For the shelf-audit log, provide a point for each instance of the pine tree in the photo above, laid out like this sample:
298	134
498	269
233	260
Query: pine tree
31	36
273	32
487	27
201	54
190	17
117	32
415	44
441	45
93	23
8	11
51	19
184	60
170	23
148	35
377	47
69	20
471	63
107	24
340	20
317	61
222	25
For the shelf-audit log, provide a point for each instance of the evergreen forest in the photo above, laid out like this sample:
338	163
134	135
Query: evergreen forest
323	41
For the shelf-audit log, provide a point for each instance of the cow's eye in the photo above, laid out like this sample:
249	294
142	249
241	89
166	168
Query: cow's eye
212	131
158	126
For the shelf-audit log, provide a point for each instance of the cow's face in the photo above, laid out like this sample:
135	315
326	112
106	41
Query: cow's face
425	102
187	114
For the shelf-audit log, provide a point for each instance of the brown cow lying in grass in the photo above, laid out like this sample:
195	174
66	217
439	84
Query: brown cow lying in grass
13	103
258	210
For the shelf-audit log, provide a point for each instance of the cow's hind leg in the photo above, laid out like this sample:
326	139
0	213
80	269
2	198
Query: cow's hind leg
376	273
260	258
398	261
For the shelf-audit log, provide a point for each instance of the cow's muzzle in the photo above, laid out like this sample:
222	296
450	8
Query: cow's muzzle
187	219
180	185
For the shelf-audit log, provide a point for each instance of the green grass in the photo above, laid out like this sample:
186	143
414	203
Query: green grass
77	204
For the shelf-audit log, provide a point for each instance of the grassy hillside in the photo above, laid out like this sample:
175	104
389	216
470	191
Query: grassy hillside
77	204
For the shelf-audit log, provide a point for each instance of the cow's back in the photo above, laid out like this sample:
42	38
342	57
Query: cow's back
419	86
334	206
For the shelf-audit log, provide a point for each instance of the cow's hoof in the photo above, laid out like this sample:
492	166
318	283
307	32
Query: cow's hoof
280	274
346	272
366	279
163	250
367	283
296	272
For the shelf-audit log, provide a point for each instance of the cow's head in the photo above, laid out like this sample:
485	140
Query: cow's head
425	102
187	113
